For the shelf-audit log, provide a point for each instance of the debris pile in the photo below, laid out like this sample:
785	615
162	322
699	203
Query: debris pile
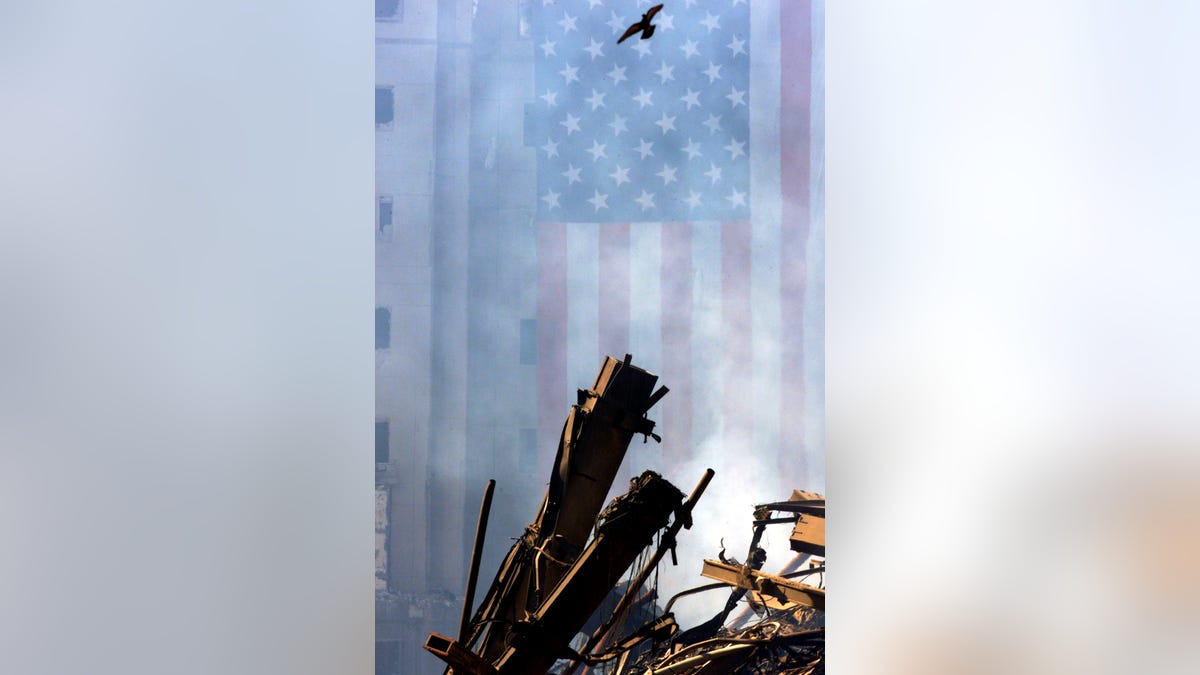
575	593
781	629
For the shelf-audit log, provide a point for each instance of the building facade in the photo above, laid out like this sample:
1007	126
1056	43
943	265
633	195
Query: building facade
455	403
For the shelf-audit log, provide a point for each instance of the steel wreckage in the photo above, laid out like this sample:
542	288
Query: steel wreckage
570	595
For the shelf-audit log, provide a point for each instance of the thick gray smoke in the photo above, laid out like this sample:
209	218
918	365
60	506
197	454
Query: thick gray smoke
462	173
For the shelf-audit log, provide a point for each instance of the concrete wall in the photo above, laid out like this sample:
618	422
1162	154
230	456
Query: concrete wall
458	273
418	164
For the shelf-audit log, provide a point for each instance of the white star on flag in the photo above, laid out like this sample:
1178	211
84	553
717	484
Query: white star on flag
736	97
664	72
597	150
570	73
737	198
617	23
596	100
646	200
598	201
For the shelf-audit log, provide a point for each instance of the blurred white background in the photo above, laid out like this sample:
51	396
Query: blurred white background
1011	331
186	374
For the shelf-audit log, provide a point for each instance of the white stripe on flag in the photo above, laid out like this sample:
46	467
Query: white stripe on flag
645	330
583	317
707	348
765	216
645	295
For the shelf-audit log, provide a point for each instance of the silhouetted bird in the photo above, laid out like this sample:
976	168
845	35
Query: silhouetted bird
644	25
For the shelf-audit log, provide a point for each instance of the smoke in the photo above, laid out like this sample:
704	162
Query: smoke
739	425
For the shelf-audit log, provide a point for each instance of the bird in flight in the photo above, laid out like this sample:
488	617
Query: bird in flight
646	28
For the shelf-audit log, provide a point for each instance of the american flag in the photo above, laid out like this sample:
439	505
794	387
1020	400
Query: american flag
674	188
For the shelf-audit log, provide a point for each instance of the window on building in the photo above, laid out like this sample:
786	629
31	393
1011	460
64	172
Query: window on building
383	218
389	10
382	438
383	328
528	342
384	107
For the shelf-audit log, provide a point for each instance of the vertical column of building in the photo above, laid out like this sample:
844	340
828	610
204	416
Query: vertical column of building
445	553
410	319
502	416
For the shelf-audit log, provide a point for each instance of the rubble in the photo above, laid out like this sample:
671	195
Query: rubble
571	595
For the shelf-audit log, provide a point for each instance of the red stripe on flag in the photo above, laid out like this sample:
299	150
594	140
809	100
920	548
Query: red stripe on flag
794	129
613	302
553	390
677	341
737	337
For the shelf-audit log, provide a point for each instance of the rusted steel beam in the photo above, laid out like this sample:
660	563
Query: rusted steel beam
591	448
485	508
784	591
716	656
464	661
607	416
808	536
799	502
627	527
683	518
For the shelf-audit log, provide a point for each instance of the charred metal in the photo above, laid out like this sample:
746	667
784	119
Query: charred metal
572	572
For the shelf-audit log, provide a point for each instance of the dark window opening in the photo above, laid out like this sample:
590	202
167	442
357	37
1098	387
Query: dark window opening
383	328
528	342
382	435
384	106
384	216
389	9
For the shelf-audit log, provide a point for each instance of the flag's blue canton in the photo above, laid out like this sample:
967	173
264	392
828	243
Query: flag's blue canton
647	130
